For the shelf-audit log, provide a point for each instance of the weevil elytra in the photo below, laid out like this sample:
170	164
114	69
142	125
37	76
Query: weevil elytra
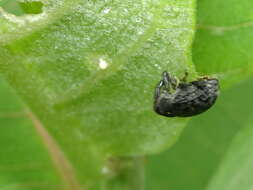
184	99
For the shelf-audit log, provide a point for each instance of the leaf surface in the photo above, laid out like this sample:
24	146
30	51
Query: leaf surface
223	42
235	171
87	71
24	161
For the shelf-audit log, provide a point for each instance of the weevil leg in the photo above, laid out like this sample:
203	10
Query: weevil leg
169	82
157	94
174	83
165	82
158	89
184	79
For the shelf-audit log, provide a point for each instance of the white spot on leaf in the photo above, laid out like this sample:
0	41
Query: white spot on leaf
102	63
106	10
105	170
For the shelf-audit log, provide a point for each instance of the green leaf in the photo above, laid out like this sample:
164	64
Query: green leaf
199	154
223	43
21	8
24	161
87	70
235	171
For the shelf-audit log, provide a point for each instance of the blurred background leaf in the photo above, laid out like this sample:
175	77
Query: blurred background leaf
235	171
223	42
192	162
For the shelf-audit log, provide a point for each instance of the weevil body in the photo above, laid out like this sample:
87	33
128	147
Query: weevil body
184	99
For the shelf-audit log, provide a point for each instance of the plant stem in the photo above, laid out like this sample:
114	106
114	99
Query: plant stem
125	173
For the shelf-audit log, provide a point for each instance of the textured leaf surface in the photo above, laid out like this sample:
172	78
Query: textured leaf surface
87	70
223	42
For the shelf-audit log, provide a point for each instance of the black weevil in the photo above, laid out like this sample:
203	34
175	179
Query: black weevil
173	99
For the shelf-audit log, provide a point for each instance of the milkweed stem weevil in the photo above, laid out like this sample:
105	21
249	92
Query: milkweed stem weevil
175	98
